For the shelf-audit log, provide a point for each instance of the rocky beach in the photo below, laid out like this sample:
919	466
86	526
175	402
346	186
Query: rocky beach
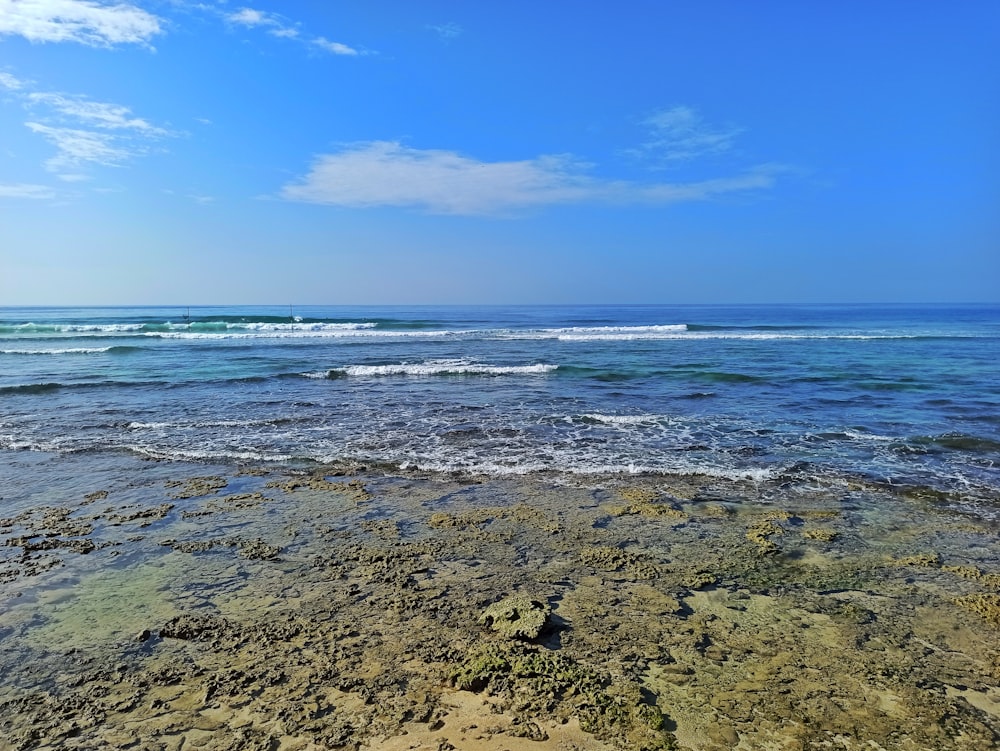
162	605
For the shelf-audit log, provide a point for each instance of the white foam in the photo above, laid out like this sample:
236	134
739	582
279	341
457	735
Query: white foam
109	328
571	333
443	367
299	326
202	424
703	335
497	469
245	456
867	436
68	351
624	419
301	333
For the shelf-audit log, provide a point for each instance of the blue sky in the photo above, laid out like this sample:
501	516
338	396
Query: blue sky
156	151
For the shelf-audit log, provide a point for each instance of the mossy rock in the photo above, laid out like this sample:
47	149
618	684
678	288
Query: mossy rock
821	534
517	617
761	532
986	605
534	683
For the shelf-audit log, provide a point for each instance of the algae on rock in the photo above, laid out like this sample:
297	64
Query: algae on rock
517	617
536	683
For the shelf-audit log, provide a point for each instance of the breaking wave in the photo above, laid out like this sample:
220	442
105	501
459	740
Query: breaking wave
435	368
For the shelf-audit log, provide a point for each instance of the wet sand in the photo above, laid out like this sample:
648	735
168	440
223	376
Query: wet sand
184	606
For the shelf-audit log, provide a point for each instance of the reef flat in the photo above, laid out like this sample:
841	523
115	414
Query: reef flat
184	606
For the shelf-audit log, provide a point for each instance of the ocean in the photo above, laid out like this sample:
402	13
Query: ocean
894	394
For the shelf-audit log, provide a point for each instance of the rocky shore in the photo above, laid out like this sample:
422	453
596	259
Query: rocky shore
339	607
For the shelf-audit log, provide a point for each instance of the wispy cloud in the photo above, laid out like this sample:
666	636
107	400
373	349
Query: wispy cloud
279	26
386	173
98	24
335	47
86	131
75	146
273	23
251	17
25	190
680	134
8	81
99	114
448	30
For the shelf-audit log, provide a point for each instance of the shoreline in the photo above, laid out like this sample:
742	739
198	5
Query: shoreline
170	605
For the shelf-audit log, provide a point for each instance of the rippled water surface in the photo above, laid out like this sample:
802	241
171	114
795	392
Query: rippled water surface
906	395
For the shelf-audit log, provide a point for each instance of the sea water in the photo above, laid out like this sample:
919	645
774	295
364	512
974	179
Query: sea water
905	395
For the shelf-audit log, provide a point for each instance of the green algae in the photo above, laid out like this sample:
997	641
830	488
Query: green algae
517	617
110	605
532	682
986	605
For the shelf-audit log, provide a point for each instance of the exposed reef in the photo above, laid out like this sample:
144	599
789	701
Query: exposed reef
324	609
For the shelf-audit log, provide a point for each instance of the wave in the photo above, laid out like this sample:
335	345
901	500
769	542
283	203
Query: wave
959	442
498	469
69	351
754	327
232	327
208	424
591	333
622	419
208	456
435	368
51	386
302	331
32	388
206	326
685	331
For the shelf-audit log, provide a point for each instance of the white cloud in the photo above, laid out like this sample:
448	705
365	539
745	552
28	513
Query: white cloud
335	47
385	173
86	131
75	146
24	190
7	81
278	26
73	178
448	30
285	32
98	24
680	134
99	114
250	17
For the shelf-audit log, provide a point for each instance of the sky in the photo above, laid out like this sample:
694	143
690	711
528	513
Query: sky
401	152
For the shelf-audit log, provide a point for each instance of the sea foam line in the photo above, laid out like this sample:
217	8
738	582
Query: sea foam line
498	469
68	351
152	327
437	367
290	333
624	419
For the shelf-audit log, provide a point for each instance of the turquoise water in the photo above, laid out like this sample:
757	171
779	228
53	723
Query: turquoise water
896	394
